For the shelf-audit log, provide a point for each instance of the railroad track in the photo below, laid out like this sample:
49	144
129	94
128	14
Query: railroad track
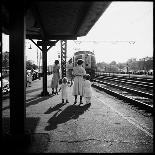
131	95
140	84
137	92
132	82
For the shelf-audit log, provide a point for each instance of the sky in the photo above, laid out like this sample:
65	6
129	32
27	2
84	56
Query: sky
124	31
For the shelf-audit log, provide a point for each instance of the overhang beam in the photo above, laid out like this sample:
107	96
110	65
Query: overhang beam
52	37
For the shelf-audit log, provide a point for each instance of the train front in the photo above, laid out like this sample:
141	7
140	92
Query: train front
89	61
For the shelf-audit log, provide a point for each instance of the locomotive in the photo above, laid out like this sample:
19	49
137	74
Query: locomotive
89	61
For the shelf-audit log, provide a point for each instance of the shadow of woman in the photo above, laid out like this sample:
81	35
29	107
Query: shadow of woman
71	112
51	109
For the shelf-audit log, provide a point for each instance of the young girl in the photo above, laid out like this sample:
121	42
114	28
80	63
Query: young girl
87	91
64	90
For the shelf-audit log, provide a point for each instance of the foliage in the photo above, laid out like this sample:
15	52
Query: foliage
5	62
30	65
131	65
5	59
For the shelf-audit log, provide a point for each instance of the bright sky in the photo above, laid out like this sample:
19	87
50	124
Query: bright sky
121	23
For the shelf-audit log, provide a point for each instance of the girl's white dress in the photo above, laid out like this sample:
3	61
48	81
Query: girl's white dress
87	90
64	91
78	72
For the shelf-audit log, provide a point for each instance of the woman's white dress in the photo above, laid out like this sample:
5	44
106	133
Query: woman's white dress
78	72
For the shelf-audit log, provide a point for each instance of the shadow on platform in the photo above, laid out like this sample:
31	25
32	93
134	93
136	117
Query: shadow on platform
33	143
51	109
30	124
37	99
71	112
33	90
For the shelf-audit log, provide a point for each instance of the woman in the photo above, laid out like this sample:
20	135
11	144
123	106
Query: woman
56	77
78	73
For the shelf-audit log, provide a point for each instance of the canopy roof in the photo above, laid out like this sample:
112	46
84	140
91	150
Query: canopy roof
62	20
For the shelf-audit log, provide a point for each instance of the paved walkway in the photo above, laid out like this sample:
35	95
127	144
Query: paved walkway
95	128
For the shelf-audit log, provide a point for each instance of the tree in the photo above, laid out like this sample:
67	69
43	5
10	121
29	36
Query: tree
34	66
29	65
113	63
120	65
5	59
101	66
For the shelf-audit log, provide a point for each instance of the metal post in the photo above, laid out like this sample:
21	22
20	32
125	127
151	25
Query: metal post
37	57
63	57
44	59
39	66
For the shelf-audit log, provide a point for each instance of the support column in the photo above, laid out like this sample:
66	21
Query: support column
17	71
18	139
44	60
44	44
63	57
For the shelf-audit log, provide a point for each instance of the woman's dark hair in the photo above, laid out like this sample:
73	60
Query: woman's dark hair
64	80
56	62
60	81
80	62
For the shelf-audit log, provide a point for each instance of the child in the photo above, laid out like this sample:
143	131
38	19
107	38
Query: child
64	90
87	91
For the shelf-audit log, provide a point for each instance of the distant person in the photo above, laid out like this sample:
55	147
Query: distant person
64	90
29	79
78	73
56	77
87	90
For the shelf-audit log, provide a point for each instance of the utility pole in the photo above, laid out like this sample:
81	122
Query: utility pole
39	66
37	57
63	57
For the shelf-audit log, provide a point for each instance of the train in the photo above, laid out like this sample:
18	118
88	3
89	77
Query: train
89	61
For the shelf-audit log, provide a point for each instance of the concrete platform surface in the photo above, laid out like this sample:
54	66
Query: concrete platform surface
104	126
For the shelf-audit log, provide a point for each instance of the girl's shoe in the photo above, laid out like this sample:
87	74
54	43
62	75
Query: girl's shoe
81	102
75	102
67	101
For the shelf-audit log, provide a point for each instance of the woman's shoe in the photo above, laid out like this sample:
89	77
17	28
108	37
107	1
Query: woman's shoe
81	102
56	93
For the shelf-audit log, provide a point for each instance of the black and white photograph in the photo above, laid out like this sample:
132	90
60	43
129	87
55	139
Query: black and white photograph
76	76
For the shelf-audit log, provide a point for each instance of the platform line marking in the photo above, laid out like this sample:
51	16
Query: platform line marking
128	119
33	100
138	122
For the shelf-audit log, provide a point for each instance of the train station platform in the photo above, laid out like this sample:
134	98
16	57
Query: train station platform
104	126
